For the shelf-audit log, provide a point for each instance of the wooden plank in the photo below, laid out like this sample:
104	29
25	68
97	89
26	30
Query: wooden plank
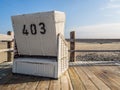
76	81
5	68
5	71
94	50
43	84
72	46
118	68
15	85
32	84
55	85
7	40
18	82
10	45
114	70
64	83
110	74
22	82
85	79
4	87
10	86
70	83
98	83
112	85
7	50
4	81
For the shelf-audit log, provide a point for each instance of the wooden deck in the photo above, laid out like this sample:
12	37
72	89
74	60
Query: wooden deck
78	77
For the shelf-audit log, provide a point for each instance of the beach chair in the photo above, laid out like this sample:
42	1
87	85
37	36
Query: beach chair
41	46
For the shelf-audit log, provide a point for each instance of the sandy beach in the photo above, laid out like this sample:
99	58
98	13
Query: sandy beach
97	56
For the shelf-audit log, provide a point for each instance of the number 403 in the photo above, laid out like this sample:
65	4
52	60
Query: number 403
33	29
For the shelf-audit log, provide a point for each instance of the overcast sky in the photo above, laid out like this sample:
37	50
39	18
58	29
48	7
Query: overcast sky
89	18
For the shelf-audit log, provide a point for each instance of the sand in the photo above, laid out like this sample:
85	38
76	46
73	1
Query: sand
97	56
97	46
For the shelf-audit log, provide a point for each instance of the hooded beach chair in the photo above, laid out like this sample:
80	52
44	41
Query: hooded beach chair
41	46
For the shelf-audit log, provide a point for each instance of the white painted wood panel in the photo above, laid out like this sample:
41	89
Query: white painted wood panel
35	42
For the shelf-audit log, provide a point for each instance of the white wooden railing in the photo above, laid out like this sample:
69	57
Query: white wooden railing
63	58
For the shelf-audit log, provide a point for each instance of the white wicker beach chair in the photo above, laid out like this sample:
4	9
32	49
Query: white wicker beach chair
41	46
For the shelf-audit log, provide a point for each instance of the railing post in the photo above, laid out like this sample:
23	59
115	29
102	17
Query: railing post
10	44
72	46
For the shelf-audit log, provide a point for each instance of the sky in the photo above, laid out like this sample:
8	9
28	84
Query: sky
88	18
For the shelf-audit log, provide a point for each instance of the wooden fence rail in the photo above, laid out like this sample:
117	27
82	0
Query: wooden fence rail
10	46
94	50
73	50
72	46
